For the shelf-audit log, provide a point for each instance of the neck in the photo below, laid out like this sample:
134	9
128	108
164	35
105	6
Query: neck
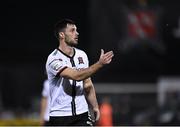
68	50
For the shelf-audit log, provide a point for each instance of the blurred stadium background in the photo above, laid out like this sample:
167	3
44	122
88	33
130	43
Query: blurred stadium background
143	80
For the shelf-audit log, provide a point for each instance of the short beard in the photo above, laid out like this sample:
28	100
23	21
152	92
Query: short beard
72	44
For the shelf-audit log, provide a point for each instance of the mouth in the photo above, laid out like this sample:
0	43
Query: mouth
76	39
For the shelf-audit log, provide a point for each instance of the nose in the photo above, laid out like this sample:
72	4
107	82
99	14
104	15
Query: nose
77	33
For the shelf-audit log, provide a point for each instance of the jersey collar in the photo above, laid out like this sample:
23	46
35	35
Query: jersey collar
66	54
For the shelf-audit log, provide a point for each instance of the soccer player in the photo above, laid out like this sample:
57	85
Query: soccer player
44	109
69	74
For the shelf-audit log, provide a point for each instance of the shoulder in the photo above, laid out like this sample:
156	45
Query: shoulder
79	51
53	55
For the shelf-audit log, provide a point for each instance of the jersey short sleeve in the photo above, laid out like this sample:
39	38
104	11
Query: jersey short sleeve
56	66
87	61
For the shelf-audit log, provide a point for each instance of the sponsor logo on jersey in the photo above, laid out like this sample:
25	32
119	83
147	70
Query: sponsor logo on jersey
56	65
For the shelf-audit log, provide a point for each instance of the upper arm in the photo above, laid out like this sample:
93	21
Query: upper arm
58	68
88	84
69	73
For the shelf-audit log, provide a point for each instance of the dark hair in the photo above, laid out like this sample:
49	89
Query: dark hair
61	25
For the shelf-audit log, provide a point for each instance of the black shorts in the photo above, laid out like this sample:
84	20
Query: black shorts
78	120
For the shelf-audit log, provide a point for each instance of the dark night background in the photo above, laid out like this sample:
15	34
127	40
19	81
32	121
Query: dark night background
27	38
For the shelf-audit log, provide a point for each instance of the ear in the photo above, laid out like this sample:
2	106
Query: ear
61	34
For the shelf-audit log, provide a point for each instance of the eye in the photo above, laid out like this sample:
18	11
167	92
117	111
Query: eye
73	29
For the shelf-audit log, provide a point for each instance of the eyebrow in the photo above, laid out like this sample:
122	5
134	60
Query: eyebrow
74	28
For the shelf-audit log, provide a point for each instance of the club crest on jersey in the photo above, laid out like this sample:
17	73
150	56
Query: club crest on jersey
80	59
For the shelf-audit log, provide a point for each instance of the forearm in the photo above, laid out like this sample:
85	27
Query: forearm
81	74
86	73
91	97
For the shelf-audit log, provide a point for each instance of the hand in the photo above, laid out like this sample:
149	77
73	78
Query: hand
96	114
106	58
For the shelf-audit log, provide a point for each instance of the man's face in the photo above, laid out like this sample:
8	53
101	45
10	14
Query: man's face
71	35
